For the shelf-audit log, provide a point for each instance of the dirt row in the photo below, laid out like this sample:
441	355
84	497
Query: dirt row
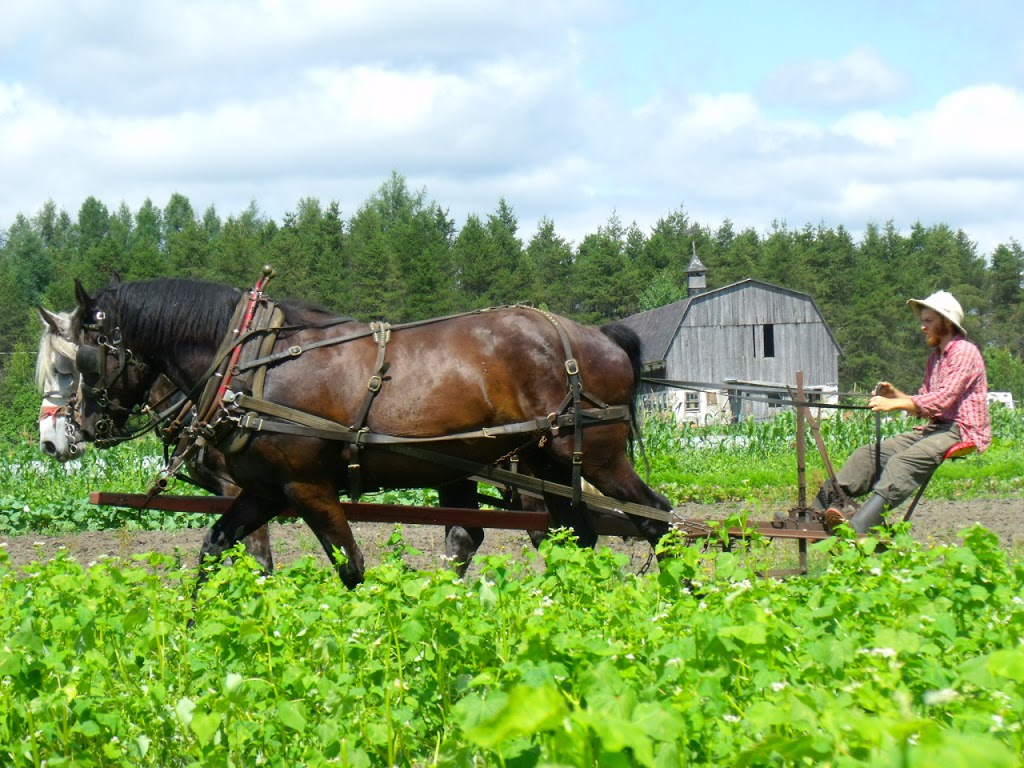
934	522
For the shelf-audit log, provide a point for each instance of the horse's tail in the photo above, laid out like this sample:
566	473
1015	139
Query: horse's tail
628	340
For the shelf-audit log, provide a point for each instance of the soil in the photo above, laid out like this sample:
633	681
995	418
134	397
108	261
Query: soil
935	522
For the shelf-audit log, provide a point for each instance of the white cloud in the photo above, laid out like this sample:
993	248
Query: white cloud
281	101
860	77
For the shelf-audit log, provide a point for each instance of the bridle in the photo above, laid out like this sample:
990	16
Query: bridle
97	377
60	403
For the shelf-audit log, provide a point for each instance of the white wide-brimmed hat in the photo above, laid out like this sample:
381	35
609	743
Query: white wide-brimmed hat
943	303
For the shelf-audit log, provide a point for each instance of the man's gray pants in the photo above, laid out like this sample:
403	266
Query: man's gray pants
908	460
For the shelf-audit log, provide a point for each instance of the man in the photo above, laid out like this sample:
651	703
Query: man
954	400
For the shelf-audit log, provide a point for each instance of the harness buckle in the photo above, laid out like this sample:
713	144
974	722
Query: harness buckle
374	384
572	367
577	457
250	421
295	351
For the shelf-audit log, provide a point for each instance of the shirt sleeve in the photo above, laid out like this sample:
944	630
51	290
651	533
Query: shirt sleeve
959	372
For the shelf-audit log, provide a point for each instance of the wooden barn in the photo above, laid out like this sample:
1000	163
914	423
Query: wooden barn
737	347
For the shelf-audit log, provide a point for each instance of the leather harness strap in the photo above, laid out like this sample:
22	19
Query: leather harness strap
381	335
307	425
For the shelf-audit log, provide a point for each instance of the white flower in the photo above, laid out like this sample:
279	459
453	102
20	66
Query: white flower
731	718
778	686
937	698
887	653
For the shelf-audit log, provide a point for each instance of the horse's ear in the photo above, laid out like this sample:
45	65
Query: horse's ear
83	298
115	277
49	319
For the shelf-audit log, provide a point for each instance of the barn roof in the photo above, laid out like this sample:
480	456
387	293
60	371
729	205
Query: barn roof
657	327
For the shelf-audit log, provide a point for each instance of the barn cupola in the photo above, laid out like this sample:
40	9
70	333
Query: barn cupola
695	275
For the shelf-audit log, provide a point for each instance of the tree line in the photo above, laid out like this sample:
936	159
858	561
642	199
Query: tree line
401	257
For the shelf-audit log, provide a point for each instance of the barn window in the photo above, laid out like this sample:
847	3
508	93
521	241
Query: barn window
692	401
769	340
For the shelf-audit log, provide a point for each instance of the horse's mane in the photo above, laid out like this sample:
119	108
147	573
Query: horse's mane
54	348
168	311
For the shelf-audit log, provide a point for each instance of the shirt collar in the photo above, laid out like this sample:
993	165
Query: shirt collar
941	351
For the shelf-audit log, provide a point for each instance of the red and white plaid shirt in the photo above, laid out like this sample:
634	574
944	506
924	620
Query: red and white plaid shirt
956	389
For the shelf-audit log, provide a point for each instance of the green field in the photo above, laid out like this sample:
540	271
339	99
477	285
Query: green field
912	656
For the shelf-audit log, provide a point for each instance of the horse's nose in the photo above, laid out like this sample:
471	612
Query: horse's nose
48	447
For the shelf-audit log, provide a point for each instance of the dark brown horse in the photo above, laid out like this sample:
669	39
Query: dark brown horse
60	437
477	377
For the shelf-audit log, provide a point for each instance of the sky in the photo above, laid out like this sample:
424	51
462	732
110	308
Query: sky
757	112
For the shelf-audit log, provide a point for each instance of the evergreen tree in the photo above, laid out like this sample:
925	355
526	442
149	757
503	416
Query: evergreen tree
598	283
550	258
375	271
472	260
512	279
1006	298
185	245
146	253
334	285
93	258
669	247
239	251
401	255
27	260
733	257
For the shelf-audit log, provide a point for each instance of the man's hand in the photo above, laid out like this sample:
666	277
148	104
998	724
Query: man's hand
885	389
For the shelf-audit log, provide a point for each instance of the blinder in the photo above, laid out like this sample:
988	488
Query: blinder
90	362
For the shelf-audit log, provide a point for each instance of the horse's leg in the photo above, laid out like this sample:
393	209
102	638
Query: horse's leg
460	544
563	514
257	544
244	516
617	478
212	476
319	507
516	499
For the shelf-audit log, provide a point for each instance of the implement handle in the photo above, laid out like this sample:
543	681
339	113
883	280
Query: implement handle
878	438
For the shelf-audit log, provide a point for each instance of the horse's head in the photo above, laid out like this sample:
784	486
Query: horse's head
56	377
113	382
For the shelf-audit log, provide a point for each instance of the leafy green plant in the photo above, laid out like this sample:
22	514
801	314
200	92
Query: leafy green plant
907	656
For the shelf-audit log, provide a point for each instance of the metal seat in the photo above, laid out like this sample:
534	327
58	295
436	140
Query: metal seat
958	451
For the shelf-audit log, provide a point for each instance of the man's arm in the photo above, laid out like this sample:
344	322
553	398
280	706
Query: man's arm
888	398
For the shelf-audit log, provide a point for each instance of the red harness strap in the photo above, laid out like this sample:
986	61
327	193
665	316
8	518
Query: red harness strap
254	296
